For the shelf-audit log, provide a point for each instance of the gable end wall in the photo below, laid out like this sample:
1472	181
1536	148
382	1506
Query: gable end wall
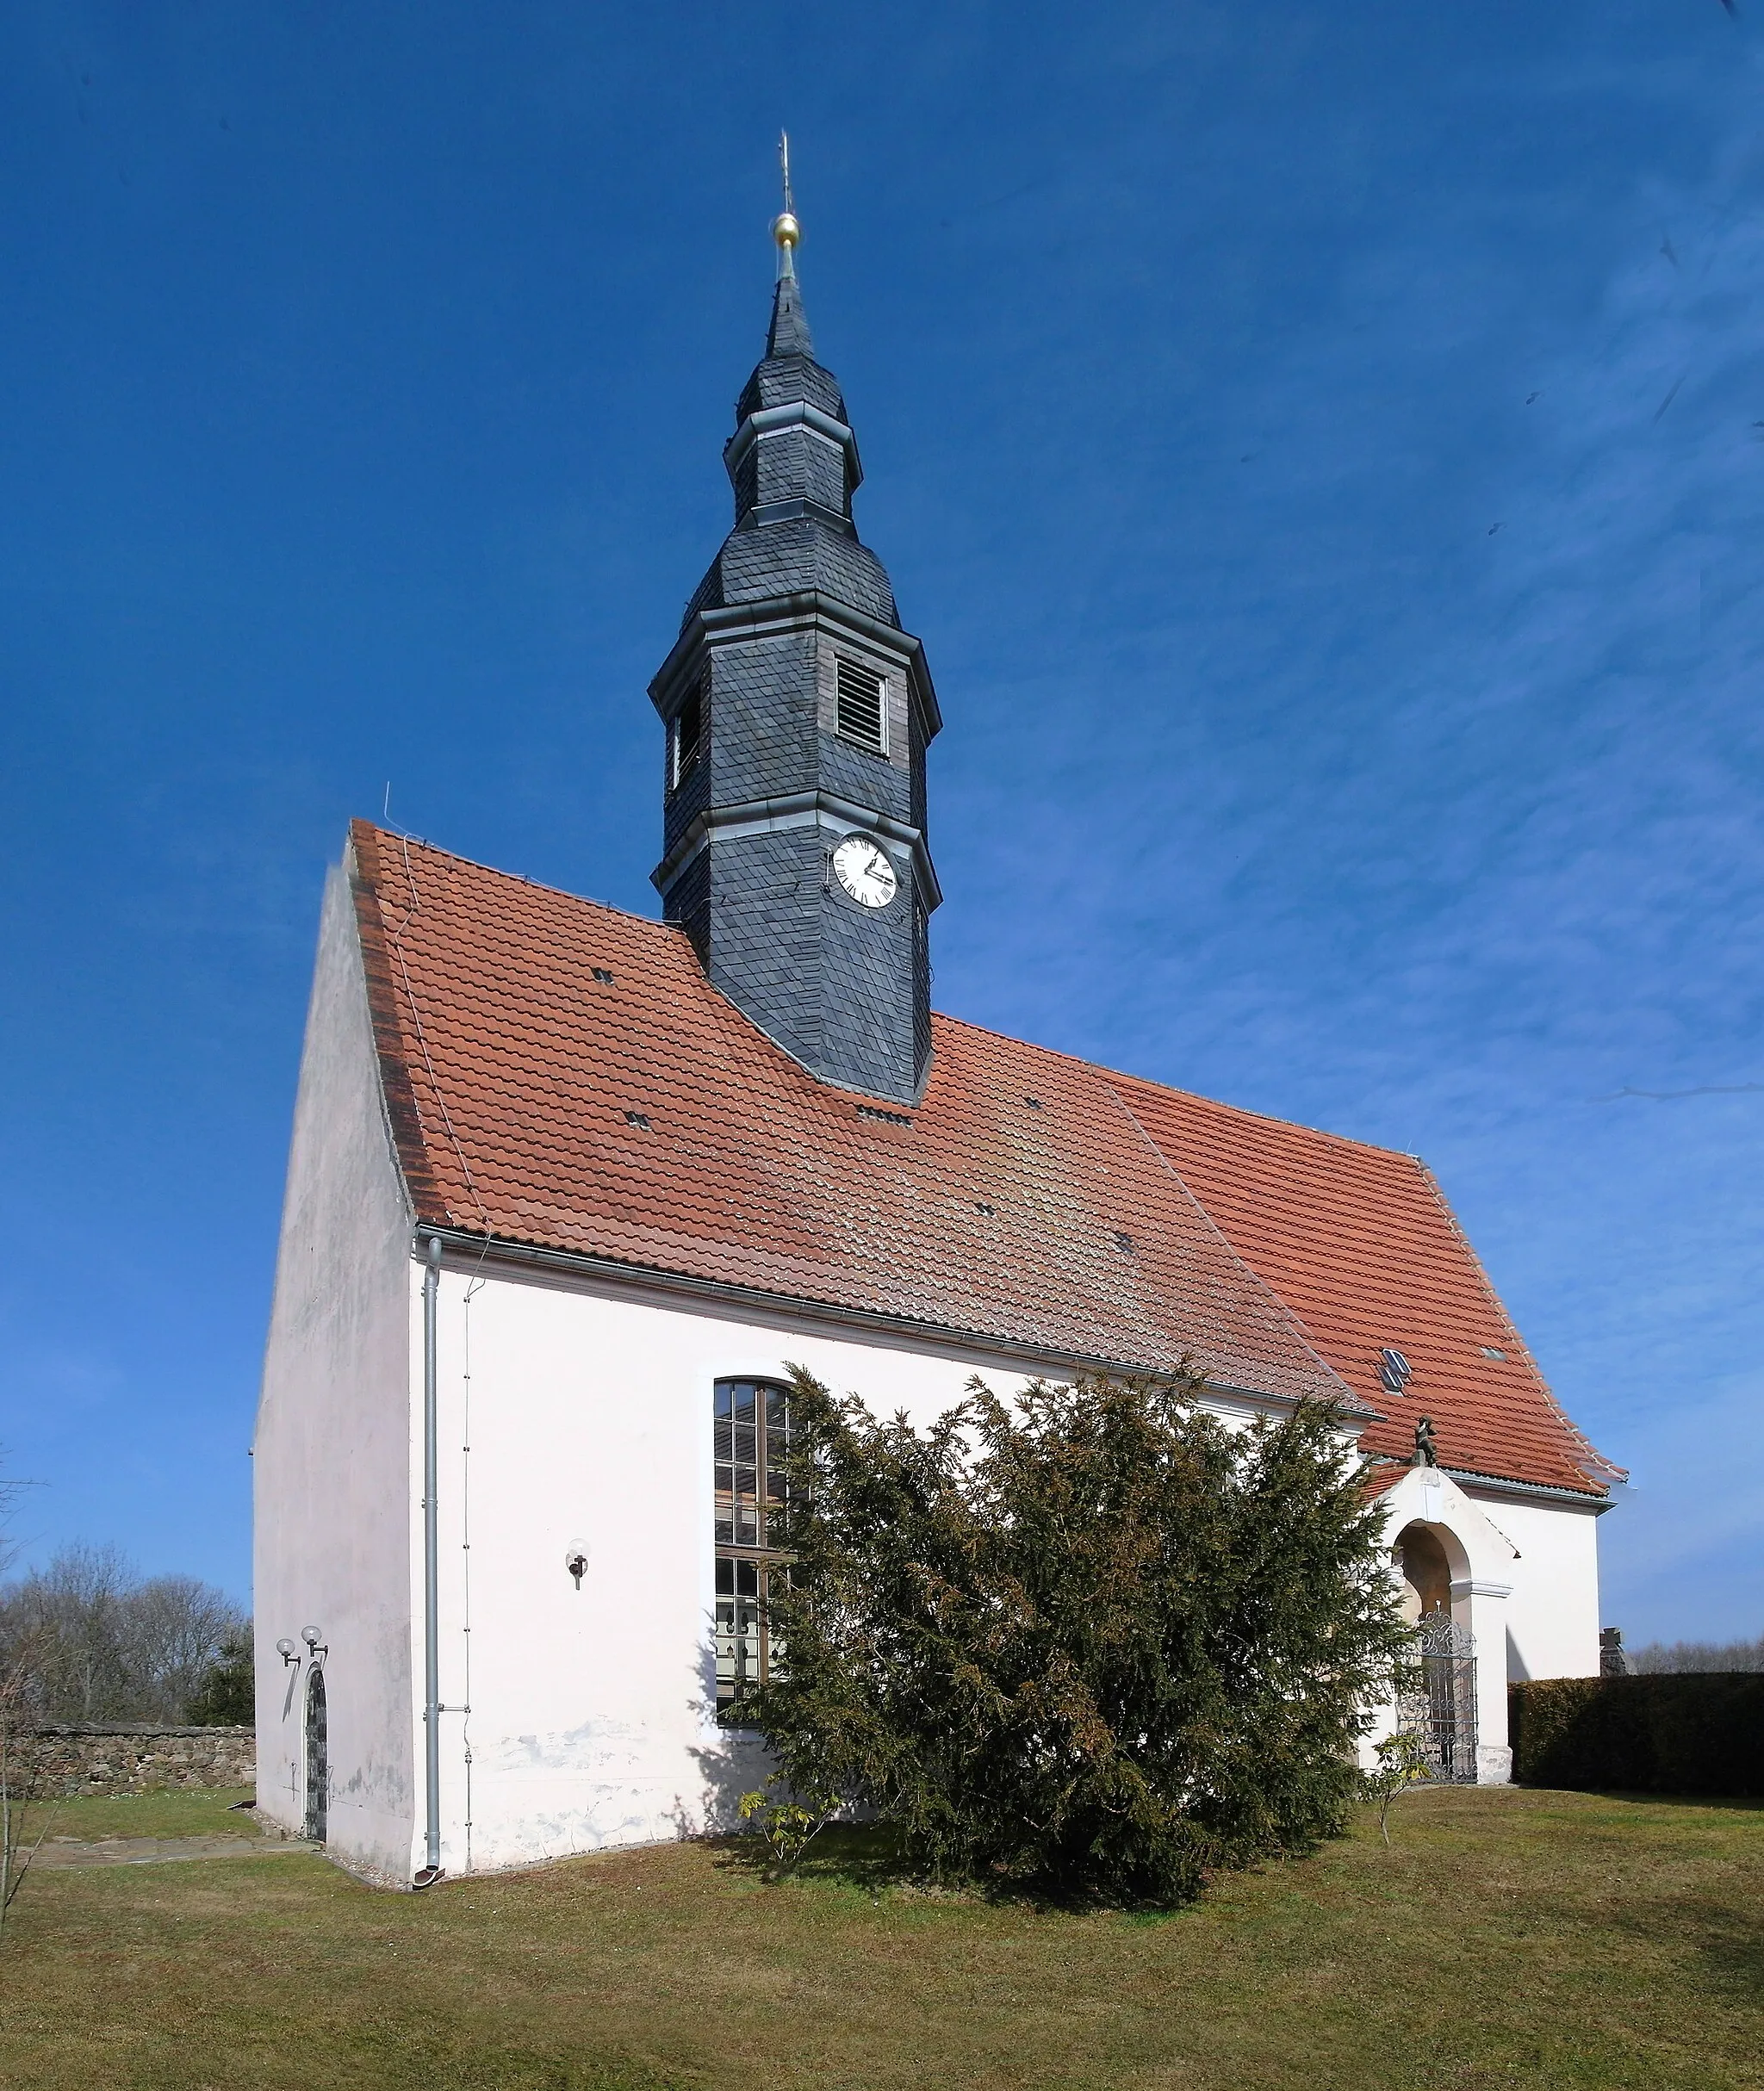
334	1490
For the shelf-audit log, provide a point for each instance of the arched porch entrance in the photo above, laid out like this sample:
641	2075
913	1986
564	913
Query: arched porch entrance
1453	1569
1441	1704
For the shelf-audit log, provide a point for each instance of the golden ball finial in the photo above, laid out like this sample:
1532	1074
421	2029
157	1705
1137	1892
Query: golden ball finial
785	230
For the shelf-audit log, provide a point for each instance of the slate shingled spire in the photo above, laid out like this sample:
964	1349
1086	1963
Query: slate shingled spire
798	714
789	333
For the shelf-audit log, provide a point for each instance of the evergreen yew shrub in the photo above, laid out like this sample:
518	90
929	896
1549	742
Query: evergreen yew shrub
1091	1642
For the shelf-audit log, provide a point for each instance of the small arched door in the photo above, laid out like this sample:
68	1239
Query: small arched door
318	1755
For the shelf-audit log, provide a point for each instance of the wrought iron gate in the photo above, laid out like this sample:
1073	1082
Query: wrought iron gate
1443	1710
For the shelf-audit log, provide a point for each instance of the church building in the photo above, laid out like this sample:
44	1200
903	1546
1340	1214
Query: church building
568	1188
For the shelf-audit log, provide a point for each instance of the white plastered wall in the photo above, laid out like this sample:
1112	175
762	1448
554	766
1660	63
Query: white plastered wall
332	1476
575	1416
581	1718
1552	1617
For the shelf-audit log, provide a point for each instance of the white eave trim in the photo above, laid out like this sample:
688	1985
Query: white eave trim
1475	1484
476	1249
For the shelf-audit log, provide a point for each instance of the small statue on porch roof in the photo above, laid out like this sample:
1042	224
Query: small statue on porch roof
1426	1451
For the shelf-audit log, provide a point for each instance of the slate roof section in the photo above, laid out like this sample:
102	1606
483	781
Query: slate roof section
770	556
643	1119
795	558
788	334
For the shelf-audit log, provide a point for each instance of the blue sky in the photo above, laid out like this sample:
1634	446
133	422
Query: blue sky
1320	447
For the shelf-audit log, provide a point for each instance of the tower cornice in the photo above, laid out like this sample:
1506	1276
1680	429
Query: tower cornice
794	413
795	612
800	810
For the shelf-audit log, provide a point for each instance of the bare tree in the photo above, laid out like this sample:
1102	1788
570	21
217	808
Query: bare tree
10	1491
1702	1656
21	1778
98	1642
19	1770
180	1628
88	1639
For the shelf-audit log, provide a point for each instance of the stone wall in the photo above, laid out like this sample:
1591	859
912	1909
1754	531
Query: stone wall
138	1756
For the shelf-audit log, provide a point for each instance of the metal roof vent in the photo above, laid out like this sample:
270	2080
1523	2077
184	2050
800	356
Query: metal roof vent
1394	1371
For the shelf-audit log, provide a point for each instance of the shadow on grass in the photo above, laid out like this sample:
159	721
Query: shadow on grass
1736	1803
867	1860
1730	1942
863	1856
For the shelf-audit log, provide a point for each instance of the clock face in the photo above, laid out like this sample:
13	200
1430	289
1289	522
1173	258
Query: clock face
865	872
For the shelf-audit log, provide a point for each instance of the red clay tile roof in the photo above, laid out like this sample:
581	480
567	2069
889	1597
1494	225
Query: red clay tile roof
642	1118
1380	1481
1360	1244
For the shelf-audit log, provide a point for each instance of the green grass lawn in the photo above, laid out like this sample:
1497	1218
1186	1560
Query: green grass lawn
180	1811
1508	1938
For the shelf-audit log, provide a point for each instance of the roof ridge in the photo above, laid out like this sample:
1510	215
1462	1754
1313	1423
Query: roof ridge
1269	1118
1053	1053
1351	1401
1168	1088
944	1016
519	879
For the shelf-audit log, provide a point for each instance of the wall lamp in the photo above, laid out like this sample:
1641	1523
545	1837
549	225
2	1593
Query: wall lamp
285	1649
314	1645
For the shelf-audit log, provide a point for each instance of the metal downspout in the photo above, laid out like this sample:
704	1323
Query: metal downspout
431	1871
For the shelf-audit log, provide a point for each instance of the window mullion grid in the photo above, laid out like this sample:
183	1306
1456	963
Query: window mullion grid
745	1538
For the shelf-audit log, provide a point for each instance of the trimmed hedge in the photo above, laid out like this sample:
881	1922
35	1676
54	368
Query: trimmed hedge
1639	1734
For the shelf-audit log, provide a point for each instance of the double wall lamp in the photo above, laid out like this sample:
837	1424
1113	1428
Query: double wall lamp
289	1654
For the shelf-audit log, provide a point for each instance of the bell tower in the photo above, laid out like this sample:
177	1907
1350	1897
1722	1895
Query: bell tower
798	713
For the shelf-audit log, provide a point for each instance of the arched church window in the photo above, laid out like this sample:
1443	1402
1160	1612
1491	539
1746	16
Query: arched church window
751	1432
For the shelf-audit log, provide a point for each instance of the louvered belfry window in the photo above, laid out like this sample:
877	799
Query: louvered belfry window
861	706
688	731
752	1435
